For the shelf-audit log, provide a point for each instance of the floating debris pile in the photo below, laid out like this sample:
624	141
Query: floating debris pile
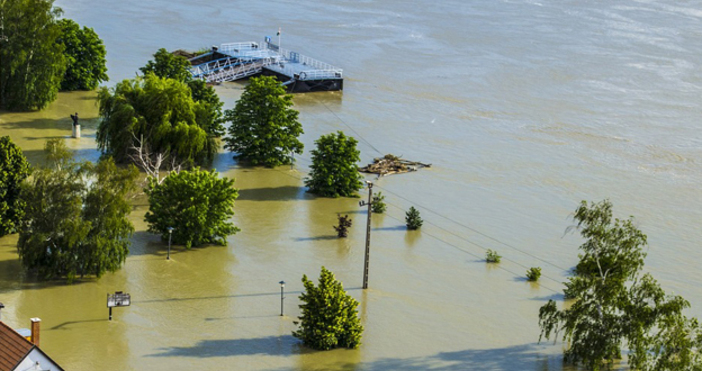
391	164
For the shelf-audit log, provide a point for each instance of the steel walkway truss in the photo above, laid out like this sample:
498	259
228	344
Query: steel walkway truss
230	68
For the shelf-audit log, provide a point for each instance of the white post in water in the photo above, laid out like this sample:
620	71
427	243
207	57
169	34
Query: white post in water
76	126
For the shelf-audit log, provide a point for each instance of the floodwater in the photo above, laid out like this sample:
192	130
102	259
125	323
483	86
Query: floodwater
524	108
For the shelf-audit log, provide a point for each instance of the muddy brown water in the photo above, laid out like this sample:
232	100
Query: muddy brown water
524	108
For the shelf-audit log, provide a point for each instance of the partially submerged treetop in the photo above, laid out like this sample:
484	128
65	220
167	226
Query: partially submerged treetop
264	126
329	317
614	304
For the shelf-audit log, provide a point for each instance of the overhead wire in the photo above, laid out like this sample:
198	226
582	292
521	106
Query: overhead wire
442	216
287	173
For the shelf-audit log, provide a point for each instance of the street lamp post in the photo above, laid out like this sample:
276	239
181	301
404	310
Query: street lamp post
170	233
368	230
282	297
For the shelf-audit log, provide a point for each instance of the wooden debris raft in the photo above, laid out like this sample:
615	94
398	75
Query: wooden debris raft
390	164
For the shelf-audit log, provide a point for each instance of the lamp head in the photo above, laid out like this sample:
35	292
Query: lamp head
282	283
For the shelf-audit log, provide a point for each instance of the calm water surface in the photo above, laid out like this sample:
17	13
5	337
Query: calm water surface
524	108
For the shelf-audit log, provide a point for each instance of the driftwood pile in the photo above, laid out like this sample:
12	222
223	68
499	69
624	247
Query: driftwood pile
390	164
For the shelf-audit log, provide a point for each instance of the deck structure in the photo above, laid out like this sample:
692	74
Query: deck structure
298	73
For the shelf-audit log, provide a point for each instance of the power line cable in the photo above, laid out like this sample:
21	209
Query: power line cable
349	126
479	257
473	230
457	247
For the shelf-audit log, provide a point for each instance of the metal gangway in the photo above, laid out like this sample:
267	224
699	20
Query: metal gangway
246	59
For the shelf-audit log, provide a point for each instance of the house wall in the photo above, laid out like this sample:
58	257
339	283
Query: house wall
30	362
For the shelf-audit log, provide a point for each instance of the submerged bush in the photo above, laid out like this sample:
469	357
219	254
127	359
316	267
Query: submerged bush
533	274
492	257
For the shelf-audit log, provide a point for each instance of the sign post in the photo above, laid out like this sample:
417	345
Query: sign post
118	299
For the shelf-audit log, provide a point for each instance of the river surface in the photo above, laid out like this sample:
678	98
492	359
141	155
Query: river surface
524	108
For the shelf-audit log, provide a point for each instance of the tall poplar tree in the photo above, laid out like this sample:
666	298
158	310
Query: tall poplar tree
32	63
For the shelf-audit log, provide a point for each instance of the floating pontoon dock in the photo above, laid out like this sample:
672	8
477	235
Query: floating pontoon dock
298	73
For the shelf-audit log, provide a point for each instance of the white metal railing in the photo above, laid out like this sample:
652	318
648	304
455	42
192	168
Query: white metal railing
250	56
320	74
238	48
291	56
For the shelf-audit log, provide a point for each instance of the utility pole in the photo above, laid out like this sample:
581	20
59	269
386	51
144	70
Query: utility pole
368	231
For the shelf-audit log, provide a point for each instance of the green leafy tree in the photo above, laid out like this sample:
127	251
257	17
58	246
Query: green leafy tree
264	126
85	57
413	220
32	63
160	112
334	170
378	205
76	216
168	65
13	170
329	317
197	203
615	304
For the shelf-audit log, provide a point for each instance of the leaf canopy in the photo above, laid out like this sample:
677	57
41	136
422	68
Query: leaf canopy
14	169
85	57
334	172
329	317
198	204
32	63
264	126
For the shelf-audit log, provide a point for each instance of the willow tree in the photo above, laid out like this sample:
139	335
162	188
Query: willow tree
85	57
14	168
264	126
160	112
170	66
32	63
76	216
616	305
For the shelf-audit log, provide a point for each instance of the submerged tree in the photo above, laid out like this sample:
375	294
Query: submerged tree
170	66
412	219
334	171
342	229
85	57
615	304
13	170
32	63
378	205
264	126
329	317
76	216
197	203
158	112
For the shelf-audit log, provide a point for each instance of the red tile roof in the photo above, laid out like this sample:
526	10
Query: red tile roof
13	348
